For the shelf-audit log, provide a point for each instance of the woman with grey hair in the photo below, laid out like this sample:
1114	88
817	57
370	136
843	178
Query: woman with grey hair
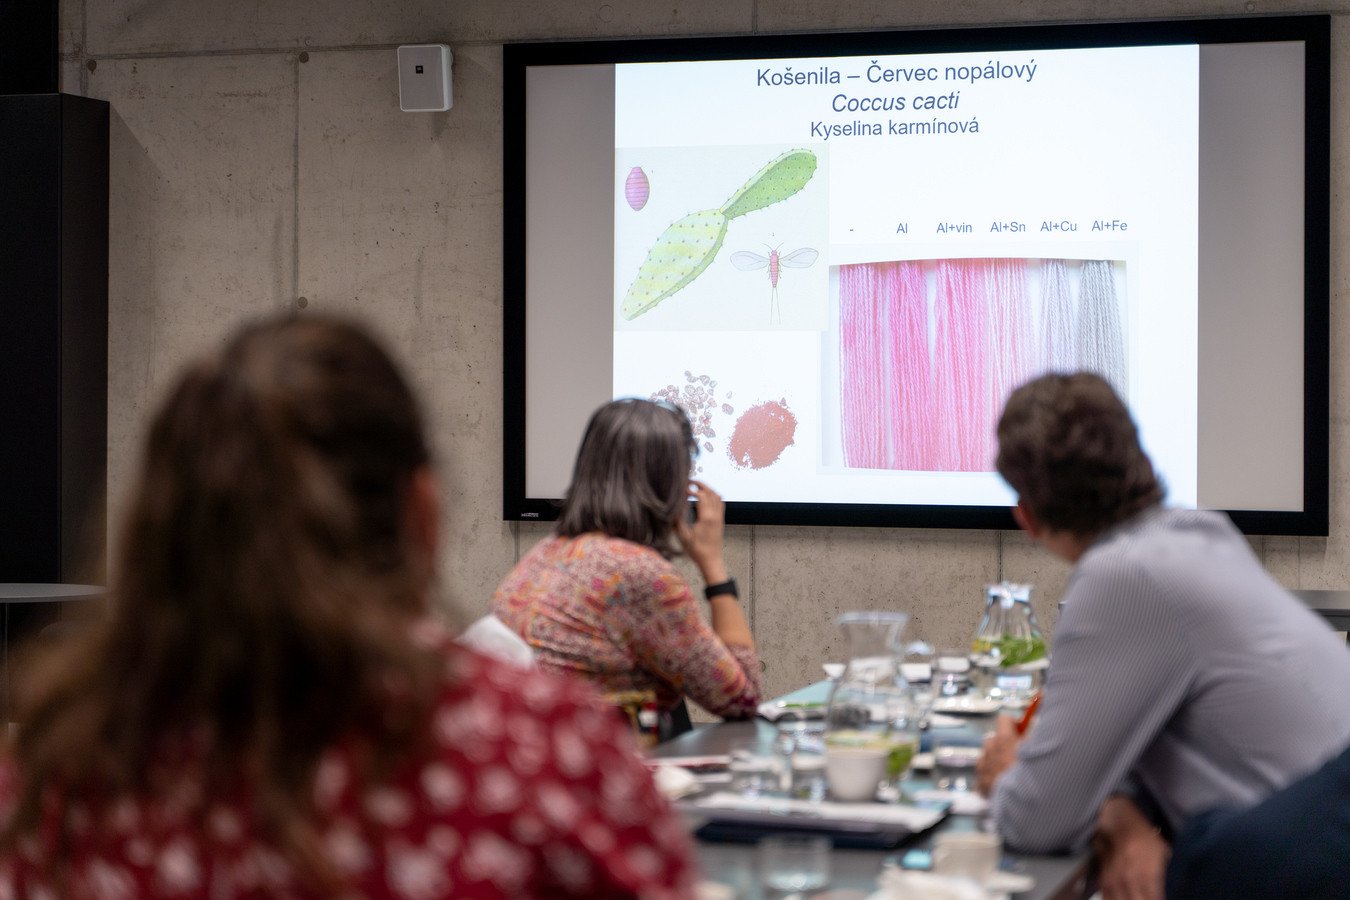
600	599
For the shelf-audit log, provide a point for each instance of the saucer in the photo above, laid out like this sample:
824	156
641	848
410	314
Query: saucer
969	706
1004	882
896	882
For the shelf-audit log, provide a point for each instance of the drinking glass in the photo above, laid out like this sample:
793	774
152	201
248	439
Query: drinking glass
916	667
951	672
809	781
752	773
955	754
902	736
793	736
794	862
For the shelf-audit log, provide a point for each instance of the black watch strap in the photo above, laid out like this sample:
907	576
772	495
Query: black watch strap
724	587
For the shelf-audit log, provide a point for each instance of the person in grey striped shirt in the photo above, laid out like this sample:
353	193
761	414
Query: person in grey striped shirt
1184	677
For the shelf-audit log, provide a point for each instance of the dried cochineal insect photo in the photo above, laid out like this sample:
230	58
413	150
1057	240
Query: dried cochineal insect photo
699	400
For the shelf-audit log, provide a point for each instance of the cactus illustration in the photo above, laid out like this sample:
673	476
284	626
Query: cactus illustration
777	181
690	244
679	256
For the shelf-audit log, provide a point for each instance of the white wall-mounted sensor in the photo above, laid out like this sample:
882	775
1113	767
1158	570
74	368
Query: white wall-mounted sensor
424	78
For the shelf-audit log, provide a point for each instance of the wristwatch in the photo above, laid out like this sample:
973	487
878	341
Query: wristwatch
723	587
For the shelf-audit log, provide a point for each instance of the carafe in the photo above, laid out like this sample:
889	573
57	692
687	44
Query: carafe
870	716
1009	650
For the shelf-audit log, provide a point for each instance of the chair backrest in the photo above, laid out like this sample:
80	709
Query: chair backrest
651	723
638	708
675	721
491	636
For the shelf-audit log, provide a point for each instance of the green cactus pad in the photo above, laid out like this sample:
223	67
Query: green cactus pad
679	255
777	181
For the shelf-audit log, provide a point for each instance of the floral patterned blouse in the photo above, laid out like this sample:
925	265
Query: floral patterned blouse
618	614
532	790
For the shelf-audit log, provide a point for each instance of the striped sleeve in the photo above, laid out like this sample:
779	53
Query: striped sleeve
1121	668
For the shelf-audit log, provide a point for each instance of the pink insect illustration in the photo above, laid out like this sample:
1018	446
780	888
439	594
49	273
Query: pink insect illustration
636	188
747	261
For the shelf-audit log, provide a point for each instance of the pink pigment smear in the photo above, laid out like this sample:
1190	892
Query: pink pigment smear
761	435
861	378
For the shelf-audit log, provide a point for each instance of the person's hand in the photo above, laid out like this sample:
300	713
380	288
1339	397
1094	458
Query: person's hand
1000	752
1131	854
702	541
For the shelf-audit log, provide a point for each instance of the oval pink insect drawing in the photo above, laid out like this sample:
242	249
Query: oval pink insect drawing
636	189
747	261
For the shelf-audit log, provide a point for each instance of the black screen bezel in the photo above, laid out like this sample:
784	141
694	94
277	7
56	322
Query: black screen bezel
1313	30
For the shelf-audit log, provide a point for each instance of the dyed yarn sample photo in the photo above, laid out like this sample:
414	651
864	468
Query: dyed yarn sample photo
930	349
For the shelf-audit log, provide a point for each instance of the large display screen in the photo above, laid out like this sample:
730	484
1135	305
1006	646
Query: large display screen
840	253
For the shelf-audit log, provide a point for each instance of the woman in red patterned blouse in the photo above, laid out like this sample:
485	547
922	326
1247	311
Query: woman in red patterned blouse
268	712
600	598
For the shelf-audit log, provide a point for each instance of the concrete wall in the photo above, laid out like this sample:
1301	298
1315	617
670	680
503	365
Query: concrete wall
260	163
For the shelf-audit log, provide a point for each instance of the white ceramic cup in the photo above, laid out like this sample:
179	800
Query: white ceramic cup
855	772
966	854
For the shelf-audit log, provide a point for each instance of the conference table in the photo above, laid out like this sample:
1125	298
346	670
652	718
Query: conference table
853	873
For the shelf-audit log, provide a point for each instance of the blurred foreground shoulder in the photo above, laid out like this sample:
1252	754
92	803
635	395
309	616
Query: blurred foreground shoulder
557	775
1295	843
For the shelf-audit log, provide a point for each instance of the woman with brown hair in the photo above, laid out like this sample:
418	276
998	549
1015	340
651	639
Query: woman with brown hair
600	599
269	711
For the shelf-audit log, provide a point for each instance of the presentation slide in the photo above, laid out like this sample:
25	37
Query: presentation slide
840	267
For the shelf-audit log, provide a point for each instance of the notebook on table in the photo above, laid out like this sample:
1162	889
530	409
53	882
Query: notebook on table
882	826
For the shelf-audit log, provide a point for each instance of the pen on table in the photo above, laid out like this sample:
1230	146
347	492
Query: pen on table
1024	722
